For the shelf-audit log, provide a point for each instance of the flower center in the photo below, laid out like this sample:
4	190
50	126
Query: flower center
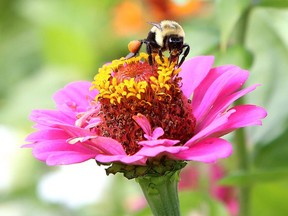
131	87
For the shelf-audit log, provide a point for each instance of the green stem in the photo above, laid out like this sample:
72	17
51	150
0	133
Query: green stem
243	165
240	135
161	193
242	27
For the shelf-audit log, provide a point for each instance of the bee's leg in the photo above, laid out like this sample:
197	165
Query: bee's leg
130	55
173	56
186	49
149	52
160	53
170	59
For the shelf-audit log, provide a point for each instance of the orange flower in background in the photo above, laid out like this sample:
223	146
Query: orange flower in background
169	9
130	16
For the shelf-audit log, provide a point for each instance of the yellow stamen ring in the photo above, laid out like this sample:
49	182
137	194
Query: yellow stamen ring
111	88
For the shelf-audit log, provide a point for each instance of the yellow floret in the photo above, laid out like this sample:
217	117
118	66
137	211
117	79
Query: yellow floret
110	88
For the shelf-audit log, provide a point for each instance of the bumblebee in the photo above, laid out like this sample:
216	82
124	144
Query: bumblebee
166	35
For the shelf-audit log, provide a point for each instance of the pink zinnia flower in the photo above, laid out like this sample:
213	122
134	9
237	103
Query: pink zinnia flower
226	194
136	114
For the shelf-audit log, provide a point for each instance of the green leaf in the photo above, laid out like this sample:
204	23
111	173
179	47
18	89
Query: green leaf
202	36
273	154
273	3
34	93
255	177
65	46
228	12
270	199
267	39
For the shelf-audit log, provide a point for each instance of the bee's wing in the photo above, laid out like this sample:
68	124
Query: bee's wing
157	25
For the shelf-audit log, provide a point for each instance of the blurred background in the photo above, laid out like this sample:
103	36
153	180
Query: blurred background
46	44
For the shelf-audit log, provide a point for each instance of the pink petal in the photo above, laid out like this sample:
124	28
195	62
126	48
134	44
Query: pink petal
67	157
45	149
211	128
75	132
85	117
156	150
50	118
28	145
208	150
246	115
133	159
75	96
193	71
107	145
221	105
158	132
220	82
243	116
47	134
93	122
143	122
164	142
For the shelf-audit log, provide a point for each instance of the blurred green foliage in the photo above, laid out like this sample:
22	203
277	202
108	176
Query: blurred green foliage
46	44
